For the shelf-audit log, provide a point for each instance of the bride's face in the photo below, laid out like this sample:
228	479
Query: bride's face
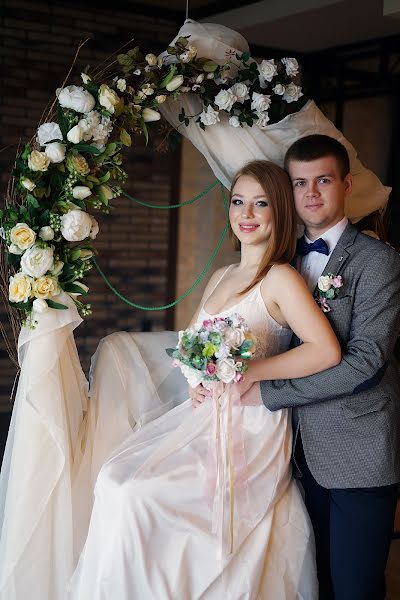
249	213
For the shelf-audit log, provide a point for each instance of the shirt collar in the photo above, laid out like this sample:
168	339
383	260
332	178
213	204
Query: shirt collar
332	235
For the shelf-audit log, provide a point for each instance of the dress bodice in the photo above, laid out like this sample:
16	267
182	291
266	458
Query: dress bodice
271	337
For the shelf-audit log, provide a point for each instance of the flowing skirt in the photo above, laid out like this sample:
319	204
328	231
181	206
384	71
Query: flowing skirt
151	534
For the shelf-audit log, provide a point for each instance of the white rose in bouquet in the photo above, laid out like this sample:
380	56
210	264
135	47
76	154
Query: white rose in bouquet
38	161
267	70
36	261
291	66
292	93
75	225
40	306
260	102
48	132
241	92
108	98
193	376
279	89
45	287
20	288
209	116
226	369
22	236
234	337
46	233
225	99
76	98
55	152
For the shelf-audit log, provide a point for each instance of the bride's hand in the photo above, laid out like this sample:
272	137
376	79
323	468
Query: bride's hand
198	395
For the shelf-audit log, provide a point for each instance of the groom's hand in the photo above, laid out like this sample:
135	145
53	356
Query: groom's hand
198	395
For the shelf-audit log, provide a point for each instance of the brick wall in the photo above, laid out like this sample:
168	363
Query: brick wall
37	45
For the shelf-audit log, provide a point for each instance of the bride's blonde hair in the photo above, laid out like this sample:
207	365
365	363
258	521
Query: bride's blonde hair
278	190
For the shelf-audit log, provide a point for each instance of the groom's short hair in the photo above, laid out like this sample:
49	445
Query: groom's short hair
313	147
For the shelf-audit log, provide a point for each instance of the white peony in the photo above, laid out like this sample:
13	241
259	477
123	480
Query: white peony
292	93
46	233
263	119
80	192
38	161
234	337
279	89
226	369
324	283
48	132
55	152
75	135
36	261
225	99
22	236
27	183
150	115
267	70
94	229
75	225
209	116
291	65
20	288
241	92
174	83
234	121
76	98
260	102
40	306
193	376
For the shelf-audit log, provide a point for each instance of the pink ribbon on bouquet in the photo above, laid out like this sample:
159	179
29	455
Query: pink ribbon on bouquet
226	461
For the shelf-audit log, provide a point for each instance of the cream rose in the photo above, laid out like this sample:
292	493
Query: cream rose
20	288
225	99
46	233
241	92
267	70
36	261
226	369
260	102
76	98
324	283
38	161
233	337
40	306
22	236
108	98
75	225
150	115
45	287
27	183
48	132
55	152
209	116
174	83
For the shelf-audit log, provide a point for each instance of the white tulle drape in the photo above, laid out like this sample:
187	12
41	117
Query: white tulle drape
228	148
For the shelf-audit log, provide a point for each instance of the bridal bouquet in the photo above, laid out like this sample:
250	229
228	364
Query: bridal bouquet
211	350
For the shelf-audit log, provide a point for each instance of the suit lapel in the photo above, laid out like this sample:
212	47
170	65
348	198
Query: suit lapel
341	252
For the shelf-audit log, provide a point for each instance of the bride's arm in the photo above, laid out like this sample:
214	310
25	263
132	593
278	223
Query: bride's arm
286	290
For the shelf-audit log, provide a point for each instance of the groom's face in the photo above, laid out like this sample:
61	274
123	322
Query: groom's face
319	193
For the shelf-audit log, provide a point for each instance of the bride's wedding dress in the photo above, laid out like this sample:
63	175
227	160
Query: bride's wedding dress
150	534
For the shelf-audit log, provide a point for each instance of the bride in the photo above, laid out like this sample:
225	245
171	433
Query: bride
152	533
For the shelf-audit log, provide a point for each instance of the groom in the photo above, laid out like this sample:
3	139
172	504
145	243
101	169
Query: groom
346	419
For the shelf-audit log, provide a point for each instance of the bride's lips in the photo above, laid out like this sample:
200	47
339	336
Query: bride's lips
248	227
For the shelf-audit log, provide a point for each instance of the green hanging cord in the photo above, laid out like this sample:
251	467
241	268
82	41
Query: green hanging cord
195	284
169	206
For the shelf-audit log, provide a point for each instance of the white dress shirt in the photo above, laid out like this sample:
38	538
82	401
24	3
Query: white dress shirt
313	264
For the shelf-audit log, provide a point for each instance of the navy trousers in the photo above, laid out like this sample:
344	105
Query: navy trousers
353	530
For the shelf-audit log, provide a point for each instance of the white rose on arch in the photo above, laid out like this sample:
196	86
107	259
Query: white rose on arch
108	98
48	132
75	225
22	236
225	99
38	161
55	152
36	261
20	288
76	98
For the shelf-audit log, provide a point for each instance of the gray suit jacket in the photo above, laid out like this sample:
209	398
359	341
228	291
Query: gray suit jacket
349	416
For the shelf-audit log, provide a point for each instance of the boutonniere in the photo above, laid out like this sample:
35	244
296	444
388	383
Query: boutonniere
328	288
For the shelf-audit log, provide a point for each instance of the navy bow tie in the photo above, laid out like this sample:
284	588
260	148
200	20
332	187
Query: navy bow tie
303	248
